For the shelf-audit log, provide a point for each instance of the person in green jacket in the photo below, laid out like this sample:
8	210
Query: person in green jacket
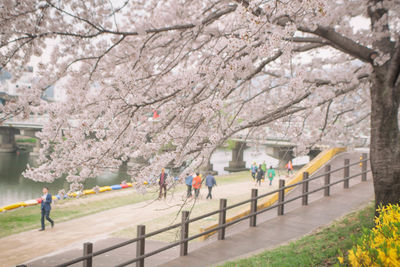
264	167
271	174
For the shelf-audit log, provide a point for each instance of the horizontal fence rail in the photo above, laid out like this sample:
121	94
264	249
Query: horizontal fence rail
183	242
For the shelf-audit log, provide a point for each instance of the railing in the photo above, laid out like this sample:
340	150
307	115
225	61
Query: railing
140	240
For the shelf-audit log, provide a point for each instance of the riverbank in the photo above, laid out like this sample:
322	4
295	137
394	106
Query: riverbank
24	219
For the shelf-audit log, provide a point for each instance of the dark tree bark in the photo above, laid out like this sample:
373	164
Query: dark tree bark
385	136
385	100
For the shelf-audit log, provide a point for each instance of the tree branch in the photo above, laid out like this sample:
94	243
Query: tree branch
308	47
246	4
343	43
257	70
326	117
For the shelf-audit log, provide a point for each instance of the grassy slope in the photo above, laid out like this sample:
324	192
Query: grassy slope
28	218
318	249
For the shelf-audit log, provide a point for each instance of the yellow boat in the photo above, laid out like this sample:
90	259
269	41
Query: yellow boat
105	188
33	202
88	192
74	194
14	206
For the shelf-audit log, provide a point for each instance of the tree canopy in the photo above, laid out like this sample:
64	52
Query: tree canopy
212	69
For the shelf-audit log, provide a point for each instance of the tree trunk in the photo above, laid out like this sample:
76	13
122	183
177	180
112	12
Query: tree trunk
385	138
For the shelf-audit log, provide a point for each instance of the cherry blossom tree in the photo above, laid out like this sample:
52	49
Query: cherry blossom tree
313	71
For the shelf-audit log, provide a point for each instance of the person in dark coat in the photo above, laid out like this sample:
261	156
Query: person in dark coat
210	182
260	175
163	183
45	207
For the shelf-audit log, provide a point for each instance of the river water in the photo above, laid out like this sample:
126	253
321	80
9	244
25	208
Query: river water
14	187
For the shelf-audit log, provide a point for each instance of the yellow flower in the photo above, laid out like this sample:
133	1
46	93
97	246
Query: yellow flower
380	245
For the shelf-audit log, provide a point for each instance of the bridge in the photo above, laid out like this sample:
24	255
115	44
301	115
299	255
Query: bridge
10	128
281	149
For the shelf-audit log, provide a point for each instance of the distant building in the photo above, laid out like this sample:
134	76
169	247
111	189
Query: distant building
10	88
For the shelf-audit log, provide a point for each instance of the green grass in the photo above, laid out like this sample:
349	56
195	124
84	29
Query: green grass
318	249
28	218
27	140
236	177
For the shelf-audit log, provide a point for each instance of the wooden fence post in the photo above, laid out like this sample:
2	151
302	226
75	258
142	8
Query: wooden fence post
327	180
364	167
346	173
281	197
304	199
184	233
88	249
253	207
222	218
140	244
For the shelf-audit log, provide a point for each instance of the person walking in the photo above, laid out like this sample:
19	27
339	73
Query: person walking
289	167
45	207
188	181
163	183
260	175
264	166
271	174
196	184
253	170
210	182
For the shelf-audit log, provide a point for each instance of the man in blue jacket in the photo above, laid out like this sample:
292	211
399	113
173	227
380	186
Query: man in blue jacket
188	181
210	182
45	207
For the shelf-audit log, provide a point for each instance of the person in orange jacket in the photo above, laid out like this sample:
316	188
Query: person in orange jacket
196	184
289	167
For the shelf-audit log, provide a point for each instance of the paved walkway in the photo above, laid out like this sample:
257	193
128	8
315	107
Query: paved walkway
241	240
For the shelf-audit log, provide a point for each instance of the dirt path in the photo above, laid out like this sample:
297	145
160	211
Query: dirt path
26	246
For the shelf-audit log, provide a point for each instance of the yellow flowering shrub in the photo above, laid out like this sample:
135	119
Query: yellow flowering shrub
379	246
